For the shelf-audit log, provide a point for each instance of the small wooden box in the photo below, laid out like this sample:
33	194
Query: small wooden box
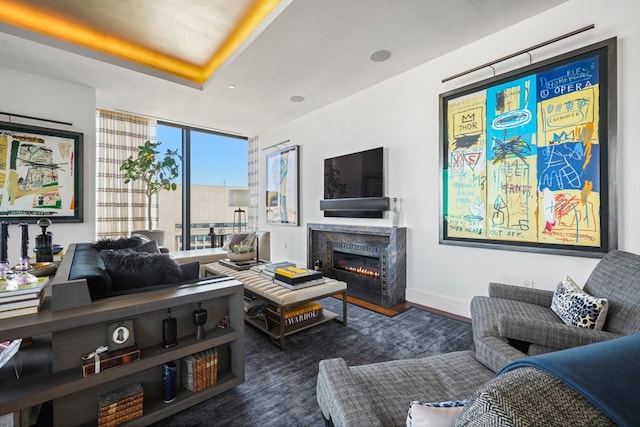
111	359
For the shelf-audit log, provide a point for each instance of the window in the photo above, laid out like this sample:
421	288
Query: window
213	163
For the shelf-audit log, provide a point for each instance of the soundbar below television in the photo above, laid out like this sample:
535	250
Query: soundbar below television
358	177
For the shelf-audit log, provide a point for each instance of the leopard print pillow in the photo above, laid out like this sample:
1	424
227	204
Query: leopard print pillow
577	308
433	414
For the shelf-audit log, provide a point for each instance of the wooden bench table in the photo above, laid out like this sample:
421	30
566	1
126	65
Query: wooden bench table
283	298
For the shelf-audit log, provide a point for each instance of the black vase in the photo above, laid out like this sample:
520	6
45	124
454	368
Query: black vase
200	318
169	331
169	381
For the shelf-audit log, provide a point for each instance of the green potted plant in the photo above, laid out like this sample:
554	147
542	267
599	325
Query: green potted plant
241	252
158	172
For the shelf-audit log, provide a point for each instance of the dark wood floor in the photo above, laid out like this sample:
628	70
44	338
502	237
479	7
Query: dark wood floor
399	308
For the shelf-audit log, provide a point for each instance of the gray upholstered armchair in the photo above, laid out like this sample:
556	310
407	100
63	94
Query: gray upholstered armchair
514	321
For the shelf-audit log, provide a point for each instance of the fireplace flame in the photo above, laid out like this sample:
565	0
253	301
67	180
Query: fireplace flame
363	271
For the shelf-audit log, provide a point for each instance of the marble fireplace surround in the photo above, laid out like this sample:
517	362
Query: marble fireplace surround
390	242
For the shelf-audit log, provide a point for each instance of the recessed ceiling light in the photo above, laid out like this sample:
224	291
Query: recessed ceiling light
380	55
231	86
296	98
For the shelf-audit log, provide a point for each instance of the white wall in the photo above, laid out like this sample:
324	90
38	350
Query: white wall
32	95
401	114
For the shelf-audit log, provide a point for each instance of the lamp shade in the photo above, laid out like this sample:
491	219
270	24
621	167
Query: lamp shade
238	198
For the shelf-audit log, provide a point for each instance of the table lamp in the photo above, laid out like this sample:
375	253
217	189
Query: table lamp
239	198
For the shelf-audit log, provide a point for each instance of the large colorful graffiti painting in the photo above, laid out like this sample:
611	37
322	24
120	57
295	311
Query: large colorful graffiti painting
524	157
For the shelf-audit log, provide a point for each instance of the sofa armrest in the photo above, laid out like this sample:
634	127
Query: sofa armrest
528	396
549	334
495	352
341	397
541	297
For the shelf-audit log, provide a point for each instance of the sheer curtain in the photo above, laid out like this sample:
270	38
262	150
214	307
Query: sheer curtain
120	207
252	221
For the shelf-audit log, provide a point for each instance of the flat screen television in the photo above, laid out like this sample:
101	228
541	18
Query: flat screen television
352	176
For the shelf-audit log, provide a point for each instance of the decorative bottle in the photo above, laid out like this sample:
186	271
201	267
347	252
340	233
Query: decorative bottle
169	331
169	372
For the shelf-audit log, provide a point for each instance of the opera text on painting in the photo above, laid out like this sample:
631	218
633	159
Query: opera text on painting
569	155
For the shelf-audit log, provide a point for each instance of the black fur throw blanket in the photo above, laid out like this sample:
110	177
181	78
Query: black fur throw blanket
129	269
121	243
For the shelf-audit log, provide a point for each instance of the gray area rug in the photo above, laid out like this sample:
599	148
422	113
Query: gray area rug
280	386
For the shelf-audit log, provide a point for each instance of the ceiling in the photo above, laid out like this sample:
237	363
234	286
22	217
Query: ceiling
175	60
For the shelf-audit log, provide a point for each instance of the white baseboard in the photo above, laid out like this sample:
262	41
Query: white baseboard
439	302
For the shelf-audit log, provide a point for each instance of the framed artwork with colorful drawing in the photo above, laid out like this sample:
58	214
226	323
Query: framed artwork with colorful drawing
528	157
40	174
283	179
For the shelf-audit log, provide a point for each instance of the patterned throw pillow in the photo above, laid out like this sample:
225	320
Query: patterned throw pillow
434	414
577	308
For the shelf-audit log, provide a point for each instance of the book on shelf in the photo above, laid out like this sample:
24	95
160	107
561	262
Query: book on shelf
198	374
110	359
297	321
262	272
120	403
27	301
114	397
271	267
7	314
293	272
187	372
299	309
131	414
294	312
288	277
267	275
208	359
255	306
299	285
199	370
122	406
11	288
7	297
215	366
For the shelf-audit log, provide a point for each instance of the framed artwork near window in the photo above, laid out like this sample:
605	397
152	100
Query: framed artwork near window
40	174
528	157
283	180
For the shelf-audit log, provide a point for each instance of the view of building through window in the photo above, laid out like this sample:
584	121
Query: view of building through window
216	164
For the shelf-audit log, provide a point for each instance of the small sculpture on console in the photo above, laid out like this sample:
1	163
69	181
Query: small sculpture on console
169	331
200	318
44	242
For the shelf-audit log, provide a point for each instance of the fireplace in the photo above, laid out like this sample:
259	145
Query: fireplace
371	260
362	266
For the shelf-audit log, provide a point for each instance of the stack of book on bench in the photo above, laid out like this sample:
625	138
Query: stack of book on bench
120	406
269	270
293	277
19	299
296	317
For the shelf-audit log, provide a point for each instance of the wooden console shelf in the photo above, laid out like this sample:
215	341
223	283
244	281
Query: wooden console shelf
52	364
